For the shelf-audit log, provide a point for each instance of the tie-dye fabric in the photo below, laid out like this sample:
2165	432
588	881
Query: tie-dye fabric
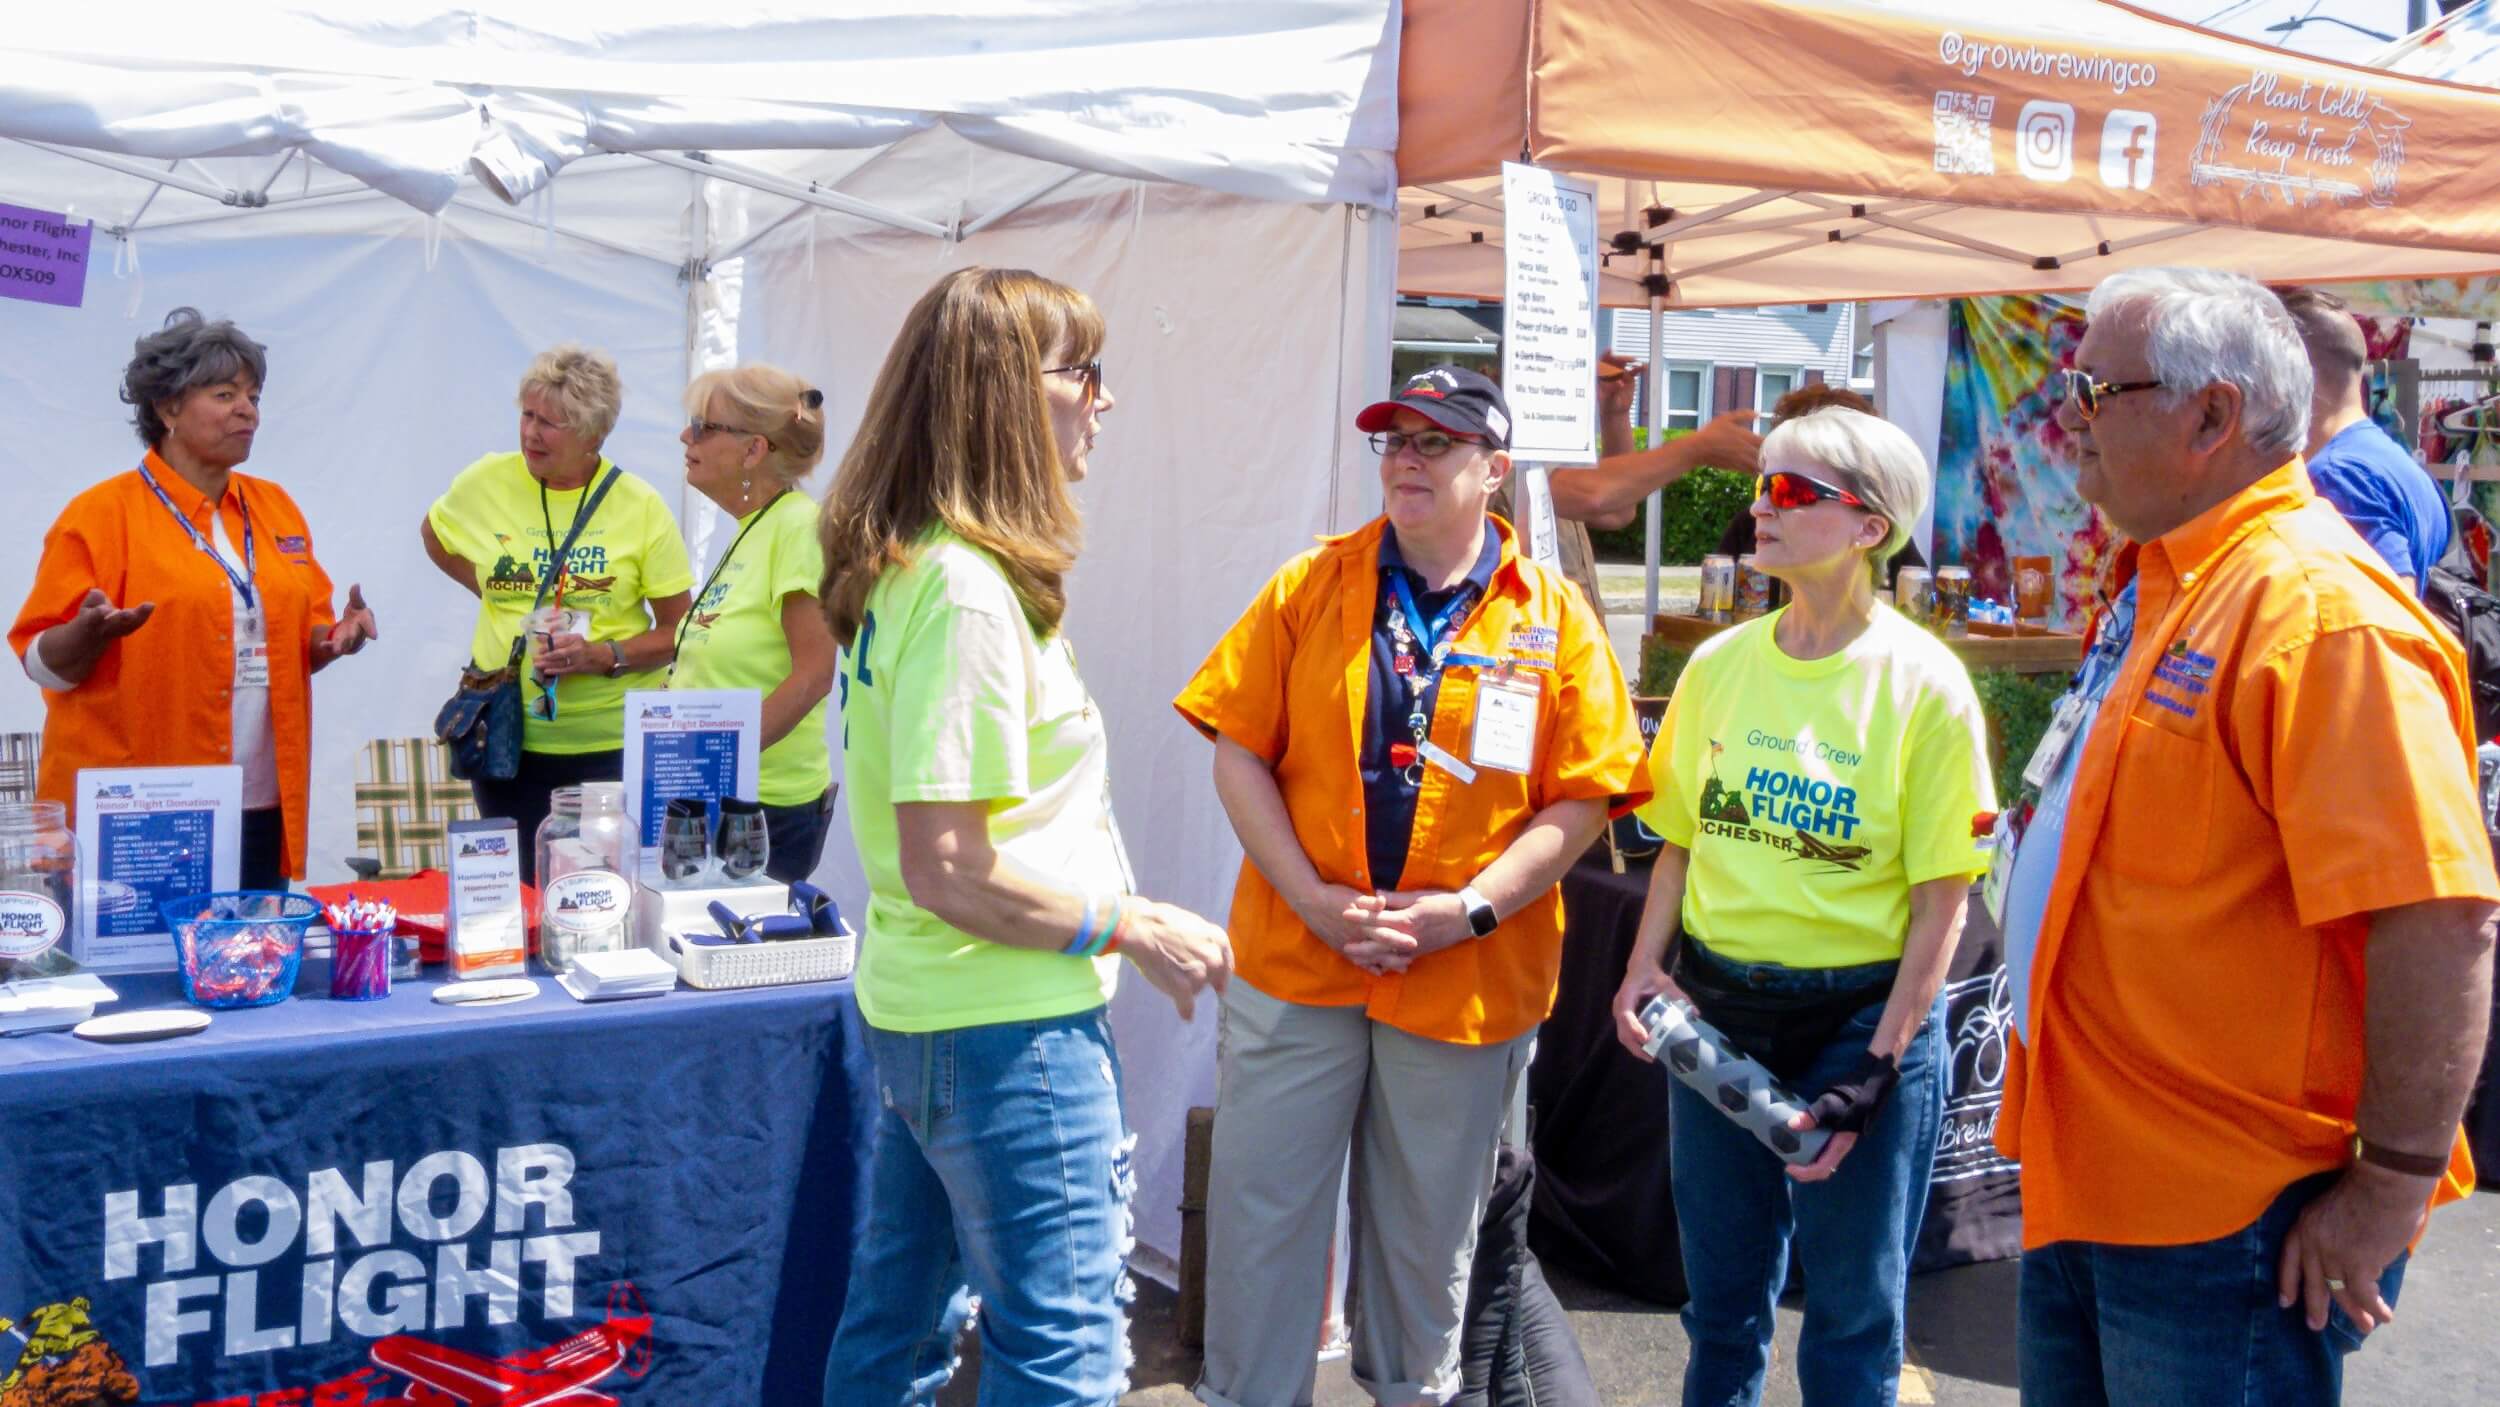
2006	483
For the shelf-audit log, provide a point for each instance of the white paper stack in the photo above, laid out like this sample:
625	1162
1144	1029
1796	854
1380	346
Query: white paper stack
53	1003
632	972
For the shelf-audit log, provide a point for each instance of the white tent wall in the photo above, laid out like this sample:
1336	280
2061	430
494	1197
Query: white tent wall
385	378
1241	336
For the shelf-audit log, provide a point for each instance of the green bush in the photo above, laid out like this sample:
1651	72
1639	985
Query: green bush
2017	706
1692	512
1661	665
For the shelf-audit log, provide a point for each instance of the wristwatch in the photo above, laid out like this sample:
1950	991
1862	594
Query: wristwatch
616	659
1481	920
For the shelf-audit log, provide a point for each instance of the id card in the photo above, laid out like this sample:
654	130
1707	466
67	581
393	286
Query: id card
1505	737
251	653
2009	838
2063	725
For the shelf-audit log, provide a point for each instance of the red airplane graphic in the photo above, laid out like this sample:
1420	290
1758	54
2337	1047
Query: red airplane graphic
560	1373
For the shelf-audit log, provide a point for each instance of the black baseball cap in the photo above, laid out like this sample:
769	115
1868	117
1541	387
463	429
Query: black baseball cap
1451	397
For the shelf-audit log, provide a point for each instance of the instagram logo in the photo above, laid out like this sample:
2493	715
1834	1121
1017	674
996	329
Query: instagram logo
2044	141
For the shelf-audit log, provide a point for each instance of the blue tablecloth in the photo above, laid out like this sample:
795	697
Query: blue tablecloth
654	1199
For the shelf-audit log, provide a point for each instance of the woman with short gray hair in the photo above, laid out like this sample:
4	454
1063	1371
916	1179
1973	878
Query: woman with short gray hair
178	613
602	622
1819	774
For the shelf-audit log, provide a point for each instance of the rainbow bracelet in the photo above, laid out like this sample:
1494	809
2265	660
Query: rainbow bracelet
1086	933
1119	927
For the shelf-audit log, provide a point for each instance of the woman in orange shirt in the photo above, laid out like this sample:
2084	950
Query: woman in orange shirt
177	615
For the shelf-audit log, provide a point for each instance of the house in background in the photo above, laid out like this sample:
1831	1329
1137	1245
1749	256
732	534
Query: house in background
1723	359
1717	359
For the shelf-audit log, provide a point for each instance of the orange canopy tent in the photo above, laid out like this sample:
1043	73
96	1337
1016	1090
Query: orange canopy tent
1780	151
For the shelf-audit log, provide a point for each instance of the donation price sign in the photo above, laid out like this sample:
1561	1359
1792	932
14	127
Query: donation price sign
43	256
149	835
689	742
1549	337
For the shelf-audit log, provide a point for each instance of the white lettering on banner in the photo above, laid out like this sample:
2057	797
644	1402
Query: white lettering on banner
2304	146
443	1198
1968	56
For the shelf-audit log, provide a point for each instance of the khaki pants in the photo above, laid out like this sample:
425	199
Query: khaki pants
1298	1088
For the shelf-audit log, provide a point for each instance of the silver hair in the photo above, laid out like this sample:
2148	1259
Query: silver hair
2203	327
187	353
1871	457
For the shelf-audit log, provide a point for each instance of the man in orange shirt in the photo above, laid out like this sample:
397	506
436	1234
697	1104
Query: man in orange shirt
2246	895
1417	731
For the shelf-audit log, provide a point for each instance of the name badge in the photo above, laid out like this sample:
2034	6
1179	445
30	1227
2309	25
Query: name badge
2001	867
251	653
1505	735
2063	725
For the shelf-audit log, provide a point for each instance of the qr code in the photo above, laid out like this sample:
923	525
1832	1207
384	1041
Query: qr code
1966	134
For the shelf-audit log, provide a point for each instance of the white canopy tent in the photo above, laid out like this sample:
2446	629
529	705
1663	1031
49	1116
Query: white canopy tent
406	206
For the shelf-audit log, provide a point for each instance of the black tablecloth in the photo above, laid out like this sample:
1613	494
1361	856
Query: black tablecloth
1604	1205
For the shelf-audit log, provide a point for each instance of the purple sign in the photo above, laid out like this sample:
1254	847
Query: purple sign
43	257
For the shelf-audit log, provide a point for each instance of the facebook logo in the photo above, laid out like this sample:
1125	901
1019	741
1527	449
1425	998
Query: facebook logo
2127	151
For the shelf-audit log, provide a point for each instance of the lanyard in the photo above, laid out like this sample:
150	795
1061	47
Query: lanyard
561	562
1407	630
717	568
242	580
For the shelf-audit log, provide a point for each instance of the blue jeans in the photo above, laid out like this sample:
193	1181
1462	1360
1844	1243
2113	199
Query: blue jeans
1001	1170
2181	1326
797	836
1737	1212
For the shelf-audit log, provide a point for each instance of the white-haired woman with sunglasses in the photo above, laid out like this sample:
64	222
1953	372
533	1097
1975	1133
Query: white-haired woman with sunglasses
1818	775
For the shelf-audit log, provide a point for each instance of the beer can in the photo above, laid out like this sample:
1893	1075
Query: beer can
1914	594
1718	586
1953	600
1753	587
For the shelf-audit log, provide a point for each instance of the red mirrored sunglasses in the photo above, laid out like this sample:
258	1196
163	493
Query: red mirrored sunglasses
1789	490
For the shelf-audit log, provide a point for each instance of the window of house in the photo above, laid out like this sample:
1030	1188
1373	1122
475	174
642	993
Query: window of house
1687	396
1771	383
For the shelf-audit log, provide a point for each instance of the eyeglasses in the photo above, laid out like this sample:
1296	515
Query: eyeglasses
1789	490
698	427
1431	444
2086	393
1091	371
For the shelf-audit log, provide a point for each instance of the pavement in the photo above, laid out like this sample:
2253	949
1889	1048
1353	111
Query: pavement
2442	1351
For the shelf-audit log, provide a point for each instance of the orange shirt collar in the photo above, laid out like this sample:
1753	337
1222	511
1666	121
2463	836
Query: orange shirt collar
2193	545
189	500
1365	541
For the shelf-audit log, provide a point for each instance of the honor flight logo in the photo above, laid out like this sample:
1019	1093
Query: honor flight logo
1813	819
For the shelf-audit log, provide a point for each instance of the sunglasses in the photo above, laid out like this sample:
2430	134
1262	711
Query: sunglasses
1789	490
1091	371
698	427
1431	444
2086	393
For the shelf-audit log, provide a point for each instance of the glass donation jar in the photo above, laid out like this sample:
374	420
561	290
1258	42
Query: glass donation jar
586	848
38	889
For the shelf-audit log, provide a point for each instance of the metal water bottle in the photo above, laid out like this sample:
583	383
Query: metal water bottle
1694	1052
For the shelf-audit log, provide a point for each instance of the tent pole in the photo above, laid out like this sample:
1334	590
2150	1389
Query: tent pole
1652	509
167	177
810	192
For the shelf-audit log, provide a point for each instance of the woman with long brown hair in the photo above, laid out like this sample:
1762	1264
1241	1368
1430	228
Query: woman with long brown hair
999	896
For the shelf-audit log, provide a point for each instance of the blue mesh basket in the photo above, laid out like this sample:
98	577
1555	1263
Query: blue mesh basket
240	948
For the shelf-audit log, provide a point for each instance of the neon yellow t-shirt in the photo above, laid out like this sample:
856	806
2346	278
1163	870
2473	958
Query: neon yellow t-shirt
947	695
627	553
733	637
1813	793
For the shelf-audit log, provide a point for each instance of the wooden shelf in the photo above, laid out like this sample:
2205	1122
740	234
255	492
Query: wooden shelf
2021	649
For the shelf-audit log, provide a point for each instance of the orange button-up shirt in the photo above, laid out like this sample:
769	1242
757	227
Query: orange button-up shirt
1287	683
2287	748
163	695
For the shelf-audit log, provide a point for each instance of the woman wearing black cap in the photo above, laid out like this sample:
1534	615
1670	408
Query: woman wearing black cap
1417	730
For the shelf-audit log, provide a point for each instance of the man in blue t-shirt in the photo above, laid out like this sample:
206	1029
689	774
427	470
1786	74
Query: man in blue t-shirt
2371	479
